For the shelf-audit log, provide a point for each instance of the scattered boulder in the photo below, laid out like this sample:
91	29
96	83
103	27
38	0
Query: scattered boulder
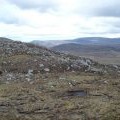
95	70
47	70
41	65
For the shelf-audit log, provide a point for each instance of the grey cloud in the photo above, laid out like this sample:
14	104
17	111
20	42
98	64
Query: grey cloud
41	5
105	8
110	26
84	7
113	11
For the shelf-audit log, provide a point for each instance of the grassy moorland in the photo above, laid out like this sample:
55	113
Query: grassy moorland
53	97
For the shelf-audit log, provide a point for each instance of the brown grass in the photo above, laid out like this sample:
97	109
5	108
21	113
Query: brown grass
45	98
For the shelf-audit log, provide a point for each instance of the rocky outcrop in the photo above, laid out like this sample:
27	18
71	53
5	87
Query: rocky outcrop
19	57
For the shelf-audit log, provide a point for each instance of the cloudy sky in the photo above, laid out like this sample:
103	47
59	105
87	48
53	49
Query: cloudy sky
59	19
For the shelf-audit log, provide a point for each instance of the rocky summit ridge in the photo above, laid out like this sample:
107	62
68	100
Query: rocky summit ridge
20	57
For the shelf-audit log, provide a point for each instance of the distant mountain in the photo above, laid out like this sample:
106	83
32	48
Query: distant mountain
103	53
82	41
103	50
97	40
86	48
48	43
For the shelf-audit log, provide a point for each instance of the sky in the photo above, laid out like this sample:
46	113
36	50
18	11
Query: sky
28	20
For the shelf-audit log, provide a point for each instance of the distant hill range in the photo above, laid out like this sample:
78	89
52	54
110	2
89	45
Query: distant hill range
97	41
82	41
103	50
